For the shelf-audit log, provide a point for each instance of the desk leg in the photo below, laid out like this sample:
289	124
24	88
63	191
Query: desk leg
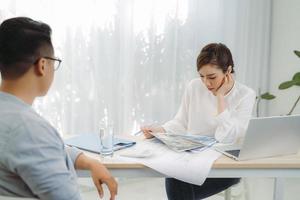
278	189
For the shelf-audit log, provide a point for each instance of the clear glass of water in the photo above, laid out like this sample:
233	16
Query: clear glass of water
106	135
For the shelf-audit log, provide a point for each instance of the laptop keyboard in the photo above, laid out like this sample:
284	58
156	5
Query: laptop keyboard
235	153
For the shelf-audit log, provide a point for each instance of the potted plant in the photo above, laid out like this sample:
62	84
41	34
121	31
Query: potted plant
295	81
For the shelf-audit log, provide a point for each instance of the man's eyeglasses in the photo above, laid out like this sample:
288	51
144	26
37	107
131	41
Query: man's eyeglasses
57	62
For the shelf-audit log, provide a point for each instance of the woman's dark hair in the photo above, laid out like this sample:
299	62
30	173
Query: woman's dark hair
22	42
216	54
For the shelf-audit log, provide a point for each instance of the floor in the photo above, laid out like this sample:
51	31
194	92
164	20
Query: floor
153	189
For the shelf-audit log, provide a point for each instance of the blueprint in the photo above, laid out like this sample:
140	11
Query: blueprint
192	166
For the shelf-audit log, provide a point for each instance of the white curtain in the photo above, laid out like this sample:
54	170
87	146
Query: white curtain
129	61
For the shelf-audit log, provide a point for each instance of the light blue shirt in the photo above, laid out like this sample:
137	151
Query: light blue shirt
34	161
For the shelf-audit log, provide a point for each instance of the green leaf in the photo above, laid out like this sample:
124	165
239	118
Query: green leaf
297	82
286	85
296	76
297	53
267	96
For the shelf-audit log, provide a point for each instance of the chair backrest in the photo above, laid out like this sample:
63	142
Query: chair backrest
15	198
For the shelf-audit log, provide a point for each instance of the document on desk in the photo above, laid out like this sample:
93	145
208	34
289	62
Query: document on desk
180	143
192	167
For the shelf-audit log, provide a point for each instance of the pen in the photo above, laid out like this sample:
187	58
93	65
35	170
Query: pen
138	133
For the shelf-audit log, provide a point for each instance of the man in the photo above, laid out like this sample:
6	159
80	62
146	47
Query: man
34	161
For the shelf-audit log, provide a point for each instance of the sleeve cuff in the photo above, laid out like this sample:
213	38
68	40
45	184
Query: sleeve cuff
173	128
73	153
165	128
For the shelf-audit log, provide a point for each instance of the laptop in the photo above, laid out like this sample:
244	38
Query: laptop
267	137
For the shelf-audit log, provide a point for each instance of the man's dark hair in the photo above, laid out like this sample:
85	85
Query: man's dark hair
215	54
22	42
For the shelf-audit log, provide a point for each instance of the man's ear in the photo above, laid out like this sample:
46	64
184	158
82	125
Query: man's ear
39	67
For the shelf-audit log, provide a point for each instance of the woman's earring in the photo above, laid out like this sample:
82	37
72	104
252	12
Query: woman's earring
229	69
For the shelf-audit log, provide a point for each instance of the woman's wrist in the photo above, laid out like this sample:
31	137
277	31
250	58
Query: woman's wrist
221	103
220	95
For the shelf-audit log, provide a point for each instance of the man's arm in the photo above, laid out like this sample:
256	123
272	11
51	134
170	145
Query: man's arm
99	174
37	155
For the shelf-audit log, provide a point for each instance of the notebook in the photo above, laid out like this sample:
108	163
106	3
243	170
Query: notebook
91	142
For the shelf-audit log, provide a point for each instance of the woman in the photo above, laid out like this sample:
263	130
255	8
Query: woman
214	105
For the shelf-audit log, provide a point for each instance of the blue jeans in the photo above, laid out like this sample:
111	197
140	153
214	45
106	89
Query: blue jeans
179	190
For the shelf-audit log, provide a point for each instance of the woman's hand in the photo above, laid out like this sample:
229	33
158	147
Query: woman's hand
226	86
222	91
147	130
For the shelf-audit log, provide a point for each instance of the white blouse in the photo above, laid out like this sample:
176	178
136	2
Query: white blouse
198	113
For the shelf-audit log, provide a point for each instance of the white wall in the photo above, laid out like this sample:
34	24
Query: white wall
285	38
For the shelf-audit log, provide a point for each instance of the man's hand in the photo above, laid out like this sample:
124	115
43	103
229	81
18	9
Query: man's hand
99	174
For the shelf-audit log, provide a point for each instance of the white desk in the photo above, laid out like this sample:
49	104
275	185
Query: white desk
224	167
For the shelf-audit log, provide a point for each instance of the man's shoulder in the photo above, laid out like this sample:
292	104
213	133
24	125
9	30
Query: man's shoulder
14	116
23	123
